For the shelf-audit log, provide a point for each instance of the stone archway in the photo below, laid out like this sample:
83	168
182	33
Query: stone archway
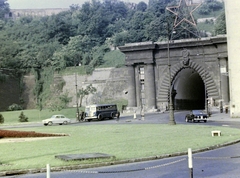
210	86
189	90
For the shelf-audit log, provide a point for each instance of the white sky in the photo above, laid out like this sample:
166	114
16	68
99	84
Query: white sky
38	4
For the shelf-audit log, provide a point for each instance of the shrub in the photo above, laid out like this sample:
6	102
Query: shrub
14	107
89	69
23	118
1	119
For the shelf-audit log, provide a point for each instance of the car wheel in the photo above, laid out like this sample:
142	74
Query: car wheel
50	123
65	122
205	121
186	119
45	124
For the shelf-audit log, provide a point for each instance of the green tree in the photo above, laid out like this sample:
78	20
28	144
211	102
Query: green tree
137	25
98	54
65	99
210	6
204	9
157	7
4	9
60	102
1	119
157	29
22	117
85	92
119	39
220	26
142	6
214	5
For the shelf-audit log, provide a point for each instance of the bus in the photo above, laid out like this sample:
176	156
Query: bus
101	112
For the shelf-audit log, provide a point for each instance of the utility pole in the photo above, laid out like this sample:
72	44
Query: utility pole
77	113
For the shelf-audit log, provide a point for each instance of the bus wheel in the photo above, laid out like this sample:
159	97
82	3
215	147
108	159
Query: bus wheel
100	117
112	115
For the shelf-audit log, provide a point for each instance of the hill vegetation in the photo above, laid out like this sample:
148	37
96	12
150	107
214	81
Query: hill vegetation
84	36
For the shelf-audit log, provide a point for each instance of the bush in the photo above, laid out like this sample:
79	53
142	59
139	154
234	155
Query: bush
89	69
14	107
23	118
1	119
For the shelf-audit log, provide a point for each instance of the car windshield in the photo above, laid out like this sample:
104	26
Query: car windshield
198	112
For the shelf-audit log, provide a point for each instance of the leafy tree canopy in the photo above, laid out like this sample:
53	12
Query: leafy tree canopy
220	27
83	35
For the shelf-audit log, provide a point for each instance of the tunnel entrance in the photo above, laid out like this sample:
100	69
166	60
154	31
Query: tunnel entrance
189	90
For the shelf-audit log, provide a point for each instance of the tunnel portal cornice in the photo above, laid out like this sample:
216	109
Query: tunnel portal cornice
139	53
147	52
193	43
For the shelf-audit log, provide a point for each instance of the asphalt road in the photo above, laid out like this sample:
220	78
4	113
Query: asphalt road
219	163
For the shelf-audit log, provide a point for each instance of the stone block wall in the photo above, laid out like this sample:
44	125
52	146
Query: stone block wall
109	82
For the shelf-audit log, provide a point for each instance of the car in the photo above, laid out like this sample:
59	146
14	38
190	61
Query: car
196	115
56	119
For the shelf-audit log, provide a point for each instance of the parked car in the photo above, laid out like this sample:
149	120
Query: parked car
196	115
56	119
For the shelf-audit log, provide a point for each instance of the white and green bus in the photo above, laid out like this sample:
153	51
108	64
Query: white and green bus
101	112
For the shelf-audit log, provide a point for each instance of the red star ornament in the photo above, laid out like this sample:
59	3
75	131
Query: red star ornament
184	12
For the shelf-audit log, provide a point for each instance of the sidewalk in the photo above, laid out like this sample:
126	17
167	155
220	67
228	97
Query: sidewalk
217	116
222	117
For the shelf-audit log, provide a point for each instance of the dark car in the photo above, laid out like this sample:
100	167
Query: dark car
196	115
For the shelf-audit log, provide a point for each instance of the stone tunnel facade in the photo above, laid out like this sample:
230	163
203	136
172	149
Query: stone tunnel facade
194	70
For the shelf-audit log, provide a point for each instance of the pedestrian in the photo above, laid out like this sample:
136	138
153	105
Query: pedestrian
117	116
226	110
221	109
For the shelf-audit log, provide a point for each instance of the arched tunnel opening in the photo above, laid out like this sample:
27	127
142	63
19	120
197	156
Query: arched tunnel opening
188	90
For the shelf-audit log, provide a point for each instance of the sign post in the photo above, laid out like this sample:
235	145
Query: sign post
190	163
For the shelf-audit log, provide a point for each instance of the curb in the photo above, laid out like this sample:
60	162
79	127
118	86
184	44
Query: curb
75	167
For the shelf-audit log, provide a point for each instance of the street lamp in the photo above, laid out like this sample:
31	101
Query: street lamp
171	110
77	114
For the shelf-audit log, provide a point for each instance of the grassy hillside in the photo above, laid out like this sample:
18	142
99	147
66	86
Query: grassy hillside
113	58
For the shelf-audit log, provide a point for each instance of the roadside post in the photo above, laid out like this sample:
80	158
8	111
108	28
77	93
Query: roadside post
48	171
134	115
190	163
142	114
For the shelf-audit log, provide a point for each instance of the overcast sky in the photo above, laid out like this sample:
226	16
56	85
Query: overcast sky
38	4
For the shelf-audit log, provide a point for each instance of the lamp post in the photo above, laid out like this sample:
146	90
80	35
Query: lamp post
77	112
171	110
